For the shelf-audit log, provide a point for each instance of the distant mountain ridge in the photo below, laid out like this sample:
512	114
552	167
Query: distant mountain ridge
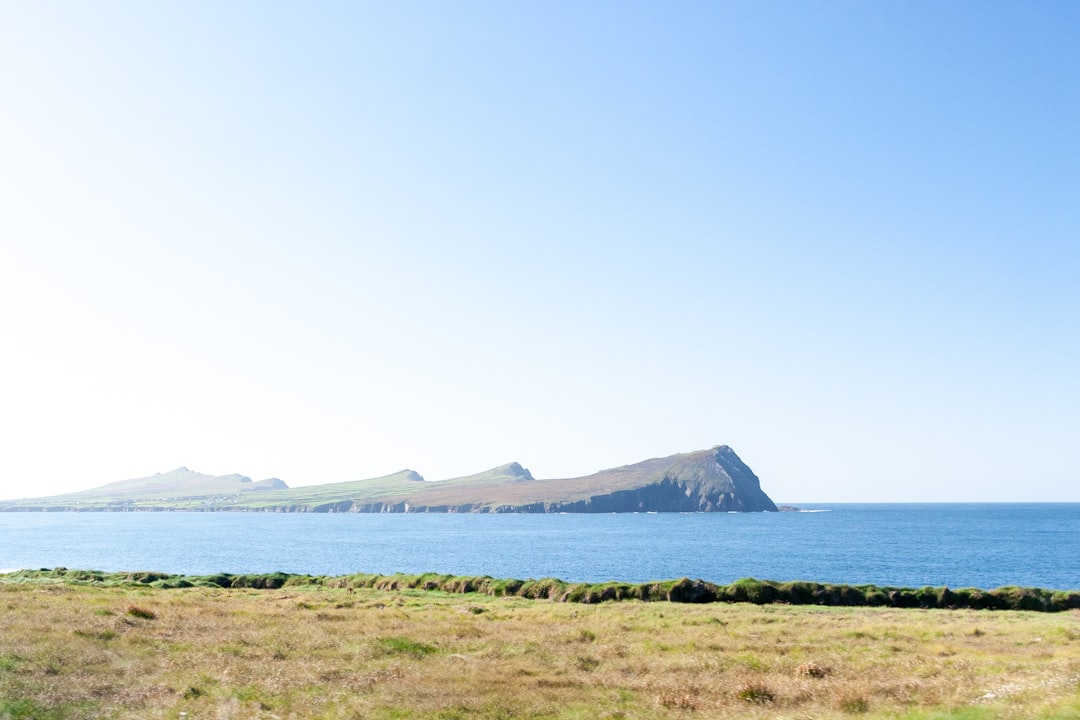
713	480
180	483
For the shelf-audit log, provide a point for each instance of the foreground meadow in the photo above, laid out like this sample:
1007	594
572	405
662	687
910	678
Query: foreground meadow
78	651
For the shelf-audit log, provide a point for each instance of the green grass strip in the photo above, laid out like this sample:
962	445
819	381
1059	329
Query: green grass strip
684	590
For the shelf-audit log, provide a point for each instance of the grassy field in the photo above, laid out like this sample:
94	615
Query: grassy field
133	651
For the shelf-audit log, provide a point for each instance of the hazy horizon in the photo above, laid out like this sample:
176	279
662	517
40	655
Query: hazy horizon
327	242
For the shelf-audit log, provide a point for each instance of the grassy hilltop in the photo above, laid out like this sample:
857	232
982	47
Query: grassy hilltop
706	480
307	651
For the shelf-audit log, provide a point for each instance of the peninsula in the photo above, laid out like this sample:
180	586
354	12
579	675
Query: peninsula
713	480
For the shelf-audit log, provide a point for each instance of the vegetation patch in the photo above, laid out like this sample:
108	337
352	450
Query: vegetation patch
24	709
811	670
405	646
141	612
104	635
853	704
756	693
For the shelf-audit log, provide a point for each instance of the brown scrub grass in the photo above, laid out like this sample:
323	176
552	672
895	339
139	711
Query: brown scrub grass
78	651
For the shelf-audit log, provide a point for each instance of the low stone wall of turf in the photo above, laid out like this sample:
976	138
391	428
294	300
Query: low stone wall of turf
685	590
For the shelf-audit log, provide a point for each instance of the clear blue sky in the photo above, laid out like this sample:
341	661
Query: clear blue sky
326	241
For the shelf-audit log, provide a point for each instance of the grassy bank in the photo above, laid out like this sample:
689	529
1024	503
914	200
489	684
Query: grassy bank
685	590
90	647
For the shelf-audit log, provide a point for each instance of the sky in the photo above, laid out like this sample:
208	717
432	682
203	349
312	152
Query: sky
329	241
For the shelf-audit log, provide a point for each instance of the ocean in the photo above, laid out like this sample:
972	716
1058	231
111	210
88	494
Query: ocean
910	545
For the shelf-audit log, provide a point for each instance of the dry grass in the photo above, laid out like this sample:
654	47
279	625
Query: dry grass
90	652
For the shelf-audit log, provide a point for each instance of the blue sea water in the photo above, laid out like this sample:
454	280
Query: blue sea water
960	545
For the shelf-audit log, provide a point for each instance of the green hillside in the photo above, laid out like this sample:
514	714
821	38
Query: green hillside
180	487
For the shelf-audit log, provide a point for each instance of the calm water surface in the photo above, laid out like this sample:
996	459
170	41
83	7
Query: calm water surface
977	545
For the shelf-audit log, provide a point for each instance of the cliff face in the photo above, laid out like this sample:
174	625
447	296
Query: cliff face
668	495
713	480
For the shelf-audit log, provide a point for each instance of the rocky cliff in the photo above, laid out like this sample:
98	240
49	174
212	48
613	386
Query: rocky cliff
714	480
